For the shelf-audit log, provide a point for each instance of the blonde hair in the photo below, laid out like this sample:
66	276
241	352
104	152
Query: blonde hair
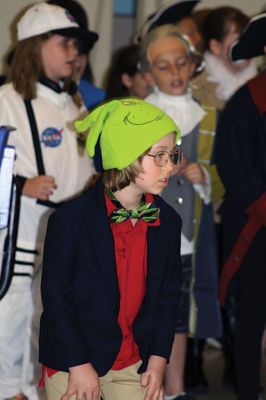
163	32
27	67
115	179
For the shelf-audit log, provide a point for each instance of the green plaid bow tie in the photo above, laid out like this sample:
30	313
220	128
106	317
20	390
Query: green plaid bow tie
144	211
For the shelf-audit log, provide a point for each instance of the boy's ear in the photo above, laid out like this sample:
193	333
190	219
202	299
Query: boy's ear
215	47
149	78
126	80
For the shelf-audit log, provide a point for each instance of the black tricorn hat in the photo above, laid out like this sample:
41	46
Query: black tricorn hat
252	41
169	13
88	37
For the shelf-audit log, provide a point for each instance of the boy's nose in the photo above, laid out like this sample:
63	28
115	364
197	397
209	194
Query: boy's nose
174	69
169	166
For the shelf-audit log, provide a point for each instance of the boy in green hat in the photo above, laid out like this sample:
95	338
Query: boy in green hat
112	269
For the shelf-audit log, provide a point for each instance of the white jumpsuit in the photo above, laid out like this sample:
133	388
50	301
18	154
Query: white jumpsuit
54	113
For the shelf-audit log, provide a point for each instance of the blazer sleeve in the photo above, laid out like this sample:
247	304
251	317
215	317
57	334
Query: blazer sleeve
61	340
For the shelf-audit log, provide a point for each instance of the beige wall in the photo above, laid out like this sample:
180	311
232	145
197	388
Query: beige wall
100	12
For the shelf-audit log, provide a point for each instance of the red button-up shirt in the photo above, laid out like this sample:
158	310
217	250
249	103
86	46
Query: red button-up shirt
131	264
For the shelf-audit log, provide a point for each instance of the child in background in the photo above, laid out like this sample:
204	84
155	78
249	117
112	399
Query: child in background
40	103
112	267
220	29
124	77
240	155
170	60
181	14
91	94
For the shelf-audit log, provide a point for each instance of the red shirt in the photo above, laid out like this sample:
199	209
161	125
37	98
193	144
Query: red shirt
131	264
130	244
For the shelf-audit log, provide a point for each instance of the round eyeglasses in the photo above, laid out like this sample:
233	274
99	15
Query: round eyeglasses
162	157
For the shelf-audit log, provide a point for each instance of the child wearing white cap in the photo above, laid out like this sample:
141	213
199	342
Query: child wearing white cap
112	268
39	102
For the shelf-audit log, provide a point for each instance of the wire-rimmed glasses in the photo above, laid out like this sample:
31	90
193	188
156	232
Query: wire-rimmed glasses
162	157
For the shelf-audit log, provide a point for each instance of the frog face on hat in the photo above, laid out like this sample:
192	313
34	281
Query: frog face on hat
136	116
125	129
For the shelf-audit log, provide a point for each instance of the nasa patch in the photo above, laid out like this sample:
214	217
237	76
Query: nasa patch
52	137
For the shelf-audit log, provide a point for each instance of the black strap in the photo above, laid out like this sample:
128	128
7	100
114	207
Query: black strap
35	137
67	86
38	150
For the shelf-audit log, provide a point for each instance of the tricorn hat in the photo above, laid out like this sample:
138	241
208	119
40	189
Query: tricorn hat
169	13
252	41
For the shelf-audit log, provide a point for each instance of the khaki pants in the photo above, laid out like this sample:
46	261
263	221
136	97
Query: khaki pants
115	385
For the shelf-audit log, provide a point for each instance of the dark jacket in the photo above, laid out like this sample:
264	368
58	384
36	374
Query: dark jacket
240	157
80	289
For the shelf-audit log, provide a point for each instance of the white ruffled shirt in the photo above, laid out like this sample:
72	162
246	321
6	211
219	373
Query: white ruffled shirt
184	110
228	82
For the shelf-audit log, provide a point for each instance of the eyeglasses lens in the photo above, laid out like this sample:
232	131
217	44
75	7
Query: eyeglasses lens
176	157
162	158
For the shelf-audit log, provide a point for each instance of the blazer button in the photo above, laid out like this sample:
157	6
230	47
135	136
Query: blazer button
179	200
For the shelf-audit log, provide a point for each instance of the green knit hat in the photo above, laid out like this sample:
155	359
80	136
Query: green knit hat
126	128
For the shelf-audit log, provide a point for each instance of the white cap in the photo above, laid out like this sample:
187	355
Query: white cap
42	18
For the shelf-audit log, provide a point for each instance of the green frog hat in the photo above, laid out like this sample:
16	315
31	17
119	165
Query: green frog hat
124	128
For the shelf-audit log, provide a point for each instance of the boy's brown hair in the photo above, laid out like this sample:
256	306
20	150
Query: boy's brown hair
115	179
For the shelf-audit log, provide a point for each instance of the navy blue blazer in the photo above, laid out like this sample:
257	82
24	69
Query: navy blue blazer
80	289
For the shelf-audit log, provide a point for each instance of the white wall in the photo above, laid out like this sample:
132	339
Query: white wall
249	7
8	11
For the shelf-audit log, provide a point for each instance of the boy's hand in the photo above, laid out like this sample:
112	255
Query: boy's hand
83	382
194	173
41	187
152	379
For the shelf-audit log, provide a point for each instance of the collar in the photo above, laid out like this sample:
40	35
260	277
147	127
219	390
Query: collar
184	110
56	87
228	82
